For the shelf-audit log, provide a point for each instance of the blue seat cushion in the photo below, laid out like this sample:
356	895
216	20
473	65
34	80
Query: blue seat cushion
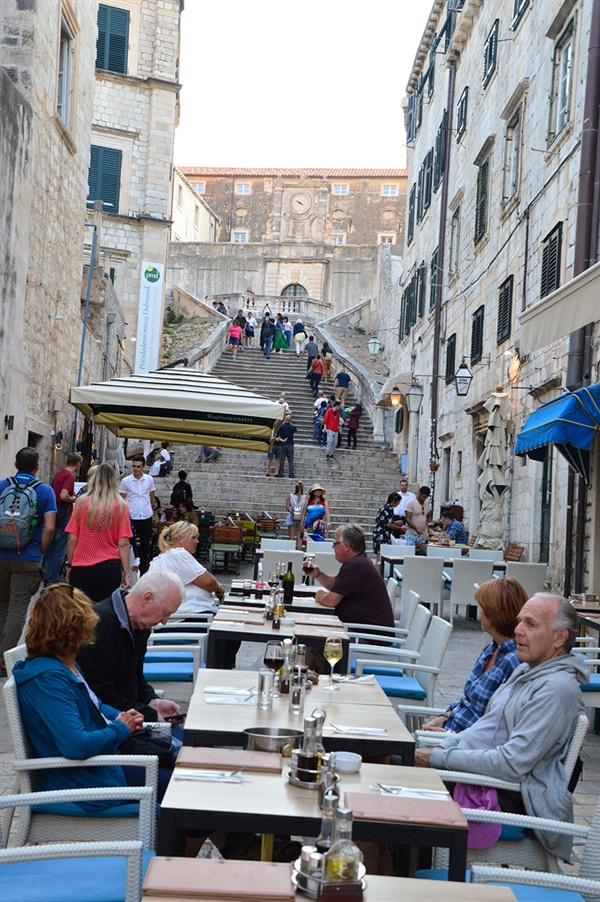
383	671
67	879
539	893
511	833
593	685
401	687
161	657
170	672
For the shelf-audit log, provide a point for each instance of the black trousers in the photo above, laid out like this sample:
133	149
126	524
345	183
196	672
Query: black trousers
143	534
98	581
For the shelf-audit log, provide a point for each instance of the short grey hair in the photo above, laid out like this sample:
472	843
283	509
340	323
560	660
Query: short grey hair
160	582
353	536
565	617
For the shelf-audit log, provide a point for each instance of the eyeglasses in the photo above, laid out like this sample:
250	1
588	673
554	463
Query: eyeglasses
339	543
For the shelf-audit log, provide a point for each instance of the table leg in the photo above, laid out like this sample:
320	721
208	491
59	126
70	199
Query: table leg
255	575
266	847
457	860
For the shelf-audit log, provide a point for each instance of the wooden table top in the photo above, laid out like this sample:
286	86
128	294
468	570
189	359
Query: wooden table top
305	603
253	624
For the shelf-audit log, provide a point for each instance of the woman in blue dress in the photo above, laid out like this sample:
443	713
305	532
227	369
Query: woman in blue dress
316	513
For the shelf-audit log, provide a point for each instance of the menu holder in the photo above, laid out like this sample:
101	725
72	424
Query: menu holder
319	632
230	759
211	879
405	811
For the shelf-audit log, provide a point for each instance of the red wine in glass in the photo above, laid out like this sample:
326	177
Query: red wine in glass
274	663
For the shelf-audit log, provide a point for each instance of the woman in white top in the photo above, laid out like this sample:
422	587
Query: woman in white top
177	544
295	508
251	325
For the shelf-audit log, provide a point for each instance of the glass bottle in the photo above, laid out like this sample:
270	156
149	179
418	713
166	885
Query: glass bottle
344	857
324	840
288	581
328	783
284	680
319	715
308	759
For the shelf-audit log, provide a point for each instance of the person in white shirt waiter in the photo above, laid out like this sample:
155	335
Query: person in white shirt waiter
405	497
138	492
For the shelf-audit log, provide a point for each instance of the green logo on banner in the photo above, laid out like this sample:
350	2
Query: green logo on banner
151	274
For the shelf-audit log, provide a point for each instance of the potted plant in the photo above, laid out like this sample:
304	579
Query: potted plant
434	465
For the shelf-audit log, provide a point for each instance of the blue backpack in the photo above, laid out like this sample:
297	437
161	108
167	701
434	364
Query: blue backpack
18	513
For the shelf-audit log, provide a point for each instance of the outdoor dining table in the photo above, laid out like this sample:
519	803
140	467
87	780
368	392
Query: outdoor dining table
269	804
301	590
231	626
302	604
378	889
397	557
211	722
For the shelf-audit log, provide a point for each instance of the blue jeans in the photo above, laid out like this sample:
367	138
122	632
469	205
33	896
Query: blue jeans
55	555
268	346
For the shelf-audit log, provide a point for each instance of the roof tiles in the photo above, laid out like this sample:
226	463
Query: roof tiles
192	171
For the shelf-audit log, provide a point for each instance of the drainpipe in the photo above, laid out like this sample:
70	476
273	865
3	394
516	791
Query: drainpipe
88	225
579	360
437	324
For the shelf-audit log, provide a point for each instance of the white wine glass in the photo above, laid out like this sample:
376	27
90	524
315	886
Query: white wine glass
332	653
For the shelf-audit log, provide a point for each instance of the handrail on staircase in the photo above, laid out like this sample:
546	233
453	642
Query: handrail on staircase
205	357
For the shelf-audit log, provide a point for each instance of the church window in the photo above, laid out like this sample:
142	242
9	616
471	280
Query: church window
243	188
340	189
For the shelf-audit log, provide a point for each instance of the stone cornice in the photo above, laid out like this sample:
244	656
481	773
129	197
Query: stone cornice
147	83
425	44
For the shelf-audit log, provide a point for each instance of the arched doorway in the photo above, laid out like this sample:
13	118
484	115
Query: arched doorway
294	290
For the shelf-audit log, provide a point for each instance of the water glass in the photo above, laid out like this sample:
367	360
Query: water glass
297	691
266	687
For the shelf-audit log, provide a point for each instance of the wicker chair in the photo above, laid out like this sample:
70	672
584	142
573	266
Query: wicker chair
39	826
115	877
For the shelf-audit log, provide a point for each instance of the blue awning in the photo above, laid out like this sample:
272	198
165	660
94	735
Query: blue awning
569	422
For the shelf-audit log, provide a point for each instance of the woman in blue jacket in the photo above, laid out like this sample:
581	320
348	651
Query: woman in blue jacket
61	714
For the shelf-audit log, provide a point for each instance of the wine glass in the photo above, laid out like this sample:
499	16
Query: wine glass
273	579
273	658
332	654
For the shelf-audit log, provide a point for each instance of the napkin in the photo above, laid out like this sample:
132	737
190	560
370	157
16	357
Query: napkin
360	731
251	762
361	681
231	700
204	878
206	776
403	792
226	690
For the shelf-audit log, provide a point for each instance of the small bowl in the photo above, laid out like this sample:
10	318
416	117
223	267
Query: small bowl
348	762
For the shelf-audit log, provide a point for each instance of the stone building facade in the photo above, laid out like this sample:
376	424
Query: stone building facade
136	110
47	53
294	232
193	219
494	120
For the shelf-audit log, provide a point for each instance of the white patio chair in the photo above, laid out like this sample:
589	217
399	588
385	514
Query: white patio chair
12	655
404	550
424	575
443	551
37	826
391	585
484	554
466	575
327	562
277	544
312	546
587	881
116	875
420	679
168	667
272	558
525	852
409	606
531	576
408	647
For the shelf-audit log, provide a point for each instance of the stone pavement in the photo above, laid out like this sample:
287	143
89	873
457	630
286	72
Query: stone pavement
464	646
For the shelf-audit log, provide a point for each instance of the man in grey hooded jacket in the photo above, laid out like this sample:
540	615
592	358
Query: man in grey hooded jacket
524	734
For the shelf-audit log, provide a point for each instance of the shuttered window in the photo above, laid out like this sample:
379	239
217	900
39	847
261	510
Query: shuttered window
490	53
551	253
461	113
439	160
433	277
482	200
113	35
450	358
421	290
410	231
104	177
519	7
505	297
428	184
477	336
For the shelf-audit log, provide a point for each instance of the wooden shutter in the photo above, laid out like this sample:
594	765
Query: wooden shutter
410	119
420	290
113	36
481	203
461	115
551	261
440	152
104	178
505	295
420	193
433	277
411	214
450	358
490	53
427	180
477	336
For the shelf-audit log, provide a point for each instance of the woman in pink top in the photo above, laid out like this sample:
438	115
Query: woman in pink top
99	533
235	337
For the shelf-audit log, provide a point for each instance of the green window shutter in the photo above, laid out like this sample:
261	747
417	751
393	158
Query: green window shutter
551	255
433	277
104	178
477	336
420	290
481	203
450	358
505	294
113	37
410	231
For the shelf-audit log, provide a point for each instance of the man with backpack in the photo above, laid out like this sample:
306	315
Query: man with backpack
27	520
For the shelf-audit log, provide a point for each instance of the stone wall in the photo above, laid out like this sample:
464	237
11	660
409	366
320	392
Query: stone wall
193	219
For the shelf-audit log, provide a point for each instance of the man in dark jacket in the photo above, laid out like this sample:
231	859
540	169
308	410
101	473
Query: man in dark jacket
267	331
113	665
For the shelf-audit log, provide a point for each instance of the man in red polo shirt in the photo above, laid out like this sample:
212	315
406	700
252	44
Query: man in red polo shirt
64	490
331	422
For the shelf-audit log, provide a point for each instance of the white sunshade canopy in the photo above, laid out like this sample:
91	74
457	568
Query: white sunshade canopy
181	405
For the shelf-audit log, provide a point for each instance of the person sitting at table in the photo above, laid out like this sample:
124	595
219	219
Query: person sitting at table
61	714
527	726
358	593
500	601
453	529
177	545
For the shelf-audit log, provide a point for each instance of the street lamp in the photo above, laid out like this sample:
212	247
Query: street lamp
414	397
462	380
395	396
374	345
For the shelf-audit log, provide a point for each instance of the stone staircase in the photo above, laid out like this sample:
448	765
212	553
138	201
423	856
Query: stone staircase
357	482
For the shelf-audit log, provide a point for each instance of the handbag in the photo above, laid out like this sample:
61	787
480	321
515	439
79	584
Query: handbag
300	336
149	742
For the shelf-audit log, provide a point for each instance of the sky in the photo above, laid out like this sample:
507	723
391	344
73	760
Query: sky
296	83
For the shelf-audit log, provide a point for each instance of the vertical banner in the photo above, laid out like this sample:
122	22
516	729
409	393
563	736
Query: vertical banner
149	317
